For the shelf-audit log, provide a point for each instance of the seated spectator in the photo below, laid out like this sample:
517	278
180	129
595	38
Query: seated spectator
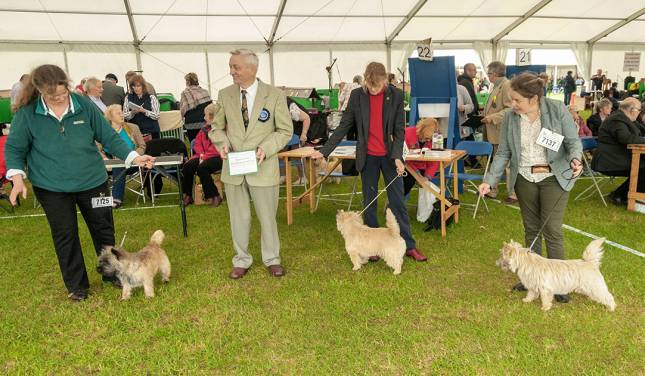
612	156
583	130
416	138
204	162
80	88
194	100
603	109
132	136
142	108
93	90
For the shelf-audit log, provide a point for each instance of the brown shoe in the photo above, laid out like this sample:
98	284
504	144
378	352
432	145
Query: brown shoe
237	273
187	200
510	200
216	201
276	270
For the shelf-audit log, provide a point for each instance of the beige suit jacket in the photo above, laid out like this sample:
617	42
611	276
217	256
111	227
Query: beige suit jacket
499	102
271	134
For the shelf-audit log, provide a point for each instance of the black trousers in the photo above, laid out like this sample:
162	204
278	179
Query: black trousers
370	175
204	171
60	210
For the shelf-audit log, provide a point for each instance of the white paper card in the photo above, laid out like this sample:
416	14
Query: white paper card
550	140
102	202
242	163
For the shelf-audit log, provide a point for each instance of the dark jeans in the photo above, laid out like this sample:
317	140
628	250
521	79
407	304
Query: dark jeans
539	202
204	171
60	210
567	97
623	189
370	175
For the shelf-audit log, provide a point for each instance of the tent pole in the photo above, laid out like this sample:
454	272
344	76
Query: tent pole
271	69
208	71
388	48
65	59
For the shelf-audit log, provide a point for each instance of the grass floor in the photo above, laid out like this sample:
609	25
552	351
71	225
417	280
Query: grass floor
451	315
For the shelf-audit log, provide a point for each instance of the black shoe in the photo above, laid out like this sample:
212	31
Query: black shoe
561	298
519	287
77	296
617	200
114	281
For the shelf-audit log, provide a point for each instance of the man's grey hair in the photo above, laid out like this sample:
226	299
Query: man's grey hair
628	104
469	65
358	79
498	68
90	83
250	56
604	103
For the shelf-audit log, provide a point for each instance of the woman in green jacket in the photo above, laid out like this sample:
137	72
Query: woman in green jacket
54	133
542	172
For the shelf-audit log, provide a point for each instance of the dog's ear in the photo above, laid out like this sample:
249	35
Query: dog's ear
116	253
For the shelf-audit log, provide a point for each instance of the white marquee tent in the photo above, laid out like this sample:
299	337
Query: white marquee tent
296	39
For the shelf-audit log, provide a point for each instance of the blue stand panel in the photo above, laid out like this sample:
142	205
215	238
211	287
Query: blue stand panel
512	70
436	82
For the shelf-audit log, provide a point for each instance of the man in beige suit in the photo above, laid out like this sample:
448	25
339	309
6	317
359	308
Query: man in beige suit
498	104
254	117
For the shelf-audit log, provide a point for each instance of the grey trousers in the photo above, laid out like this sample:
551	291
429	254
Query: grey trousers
265	201
538	201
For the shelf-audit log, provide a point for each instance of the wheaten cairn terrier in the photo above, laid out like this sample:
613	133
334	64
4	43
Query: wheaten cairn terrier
362	241
544	277
136	269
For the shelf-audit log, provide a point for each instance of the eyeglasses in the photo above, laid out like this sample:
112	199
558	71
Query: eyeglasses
55	97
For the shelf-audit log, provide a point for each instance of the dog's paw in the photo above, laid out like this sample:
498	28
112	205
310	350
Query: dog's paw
357	267
546	307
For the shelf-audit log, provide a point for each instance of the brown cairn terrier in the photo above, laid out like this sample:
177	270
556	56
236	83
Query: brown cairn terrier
136	269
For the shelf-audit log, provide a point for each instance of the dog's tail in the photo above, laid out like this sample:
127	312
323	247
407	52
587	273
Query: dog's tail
593	252
158	237
391	223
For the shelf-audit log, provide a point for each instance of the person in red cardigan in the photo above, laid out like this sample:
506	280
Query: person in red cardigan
205	161
416	138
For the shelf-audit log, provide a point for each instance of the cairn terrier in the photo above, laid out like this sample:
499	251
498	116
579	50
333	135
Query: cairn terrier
544	277
362	241
136	269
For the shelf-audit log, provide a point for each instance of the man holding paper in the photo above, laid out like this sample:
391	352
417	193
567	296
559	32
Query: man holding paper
252	127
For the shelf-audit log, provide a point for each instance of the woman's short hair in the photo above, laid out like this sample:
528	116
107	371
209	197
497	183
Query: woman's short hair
138	79
528	85
110	112
191	79
211	110
358	79
603	103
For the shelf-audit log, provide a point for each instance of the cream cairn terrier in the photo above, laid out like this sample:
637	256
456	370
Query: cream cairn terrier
136	269
362	241
545	277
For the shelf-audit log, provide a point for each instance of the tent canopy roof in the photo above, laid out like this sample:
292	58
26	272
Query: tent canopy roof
322	21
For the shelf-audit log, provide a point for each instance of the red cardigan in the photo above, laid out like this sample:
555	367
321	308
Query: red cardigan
203	147
412	141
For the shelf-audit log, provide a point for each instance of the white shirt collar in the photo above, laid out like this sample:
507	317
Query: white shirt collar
70	108
251	90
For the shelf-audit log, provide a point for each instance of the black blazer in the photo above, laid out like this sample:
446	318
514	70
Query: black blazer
357	115
614	134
